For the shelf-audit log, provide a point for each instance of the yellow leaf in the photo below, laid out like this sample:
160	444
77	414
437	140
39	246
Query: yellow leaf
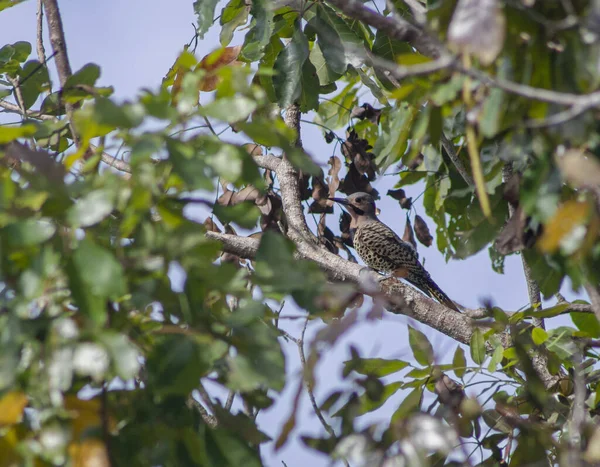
86	414
11	133
8	447
89	453
567	217
12	405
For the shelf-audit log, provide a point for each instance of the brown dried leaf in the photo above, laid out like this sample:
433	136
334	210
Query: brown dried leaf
347	229
325	235
303	181
248	193
478	27
400	195
253	149
449	391
409	235
511	238
422	231
354	182
230	230
355	150
212	62
225	198
269	177
366	111
320	195
211	226
333	180
272	219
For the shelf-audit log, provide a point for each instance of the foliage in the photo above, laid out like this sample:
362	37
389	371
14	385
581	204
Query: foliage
105	360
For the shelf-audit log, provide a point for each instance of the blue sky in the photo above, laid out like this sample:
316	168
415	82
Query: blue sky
135	42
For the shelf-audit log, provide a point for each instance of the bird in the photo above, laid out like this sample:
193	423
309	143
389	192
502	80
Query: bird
384	251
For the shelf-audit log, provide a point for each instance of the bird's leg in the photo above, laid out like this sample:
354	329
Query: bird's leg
400	273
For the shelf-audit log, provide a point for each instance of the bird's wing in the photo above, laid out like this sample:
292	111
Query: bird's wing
395	250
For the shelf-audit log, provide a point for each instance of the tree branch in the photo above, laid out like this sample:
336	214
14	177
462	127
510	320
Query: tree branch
594	293
400	298
396	28
59	48
57	39
41	51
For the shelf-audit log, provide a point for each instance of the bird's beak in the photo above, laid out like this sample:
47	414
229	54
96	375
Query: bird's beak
343	201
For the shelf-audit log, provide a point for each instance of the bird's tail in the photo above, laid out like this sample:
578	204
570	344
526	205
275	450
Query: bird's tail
429	287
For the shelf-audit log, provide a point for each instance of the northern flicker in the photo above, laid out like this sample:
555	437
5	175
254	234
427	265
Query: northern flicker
381	249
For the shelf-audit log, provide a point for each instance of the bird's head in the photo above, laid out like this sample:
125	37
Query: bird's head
358	205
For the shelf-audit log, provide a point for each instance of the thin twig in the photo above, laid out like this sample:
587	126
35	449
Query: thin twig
18	96
310	386
41	51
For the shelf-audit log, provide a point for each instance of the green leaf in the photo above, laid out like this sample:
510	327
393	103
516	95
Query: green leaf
244	214
392	145
11	133
539	336
4	4
587	323
477	347
35	79
88	75
368	404
205	11
233	15
336	40
309	99
529	451
230	109
177	362
28	232
421	347
19	51
260	34
491	116
188	166
227	450
374	366
389	49
108	113
409	405
99	270
91	209
289	64
459	362
496	358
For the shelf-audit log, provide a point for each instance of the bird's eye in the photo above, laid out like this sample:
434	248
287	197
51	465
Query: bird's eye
359	200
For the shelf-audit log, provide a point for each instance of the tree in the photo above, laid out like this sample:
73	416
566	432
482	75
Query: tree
486	108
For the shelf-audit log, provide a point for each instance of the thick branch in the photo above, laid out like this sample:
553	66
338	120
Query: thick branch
289	184
57	39
396	28
401	298
267	161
